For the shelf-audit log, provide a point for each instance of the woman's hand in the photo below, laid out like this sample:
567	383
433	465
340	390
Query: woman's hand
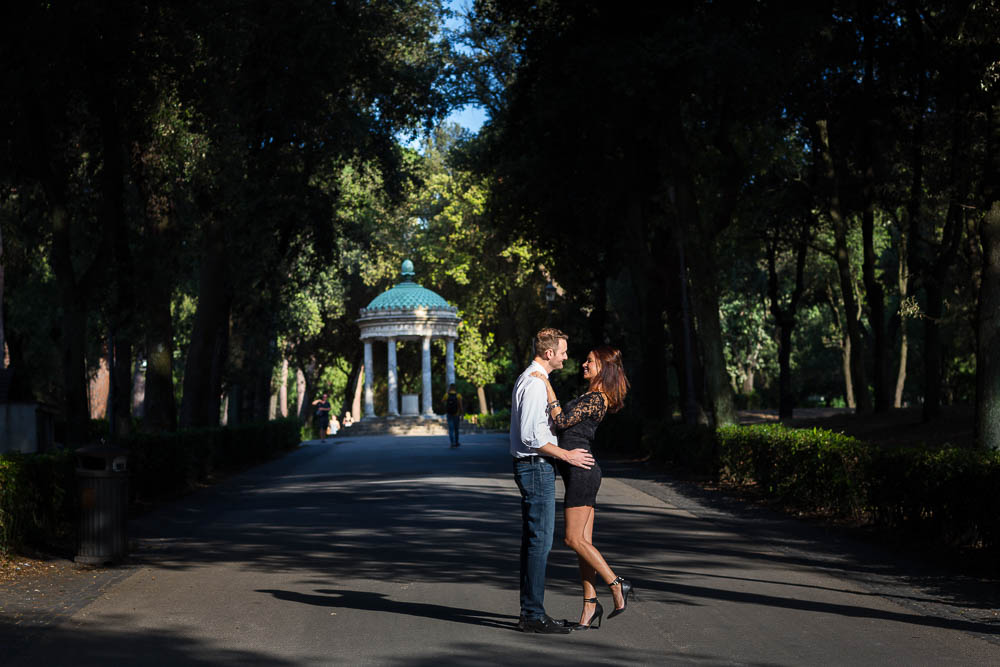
549	391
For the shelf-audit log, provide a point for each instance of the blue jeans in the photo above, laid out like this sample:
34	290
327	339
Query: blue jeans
536	480
453	423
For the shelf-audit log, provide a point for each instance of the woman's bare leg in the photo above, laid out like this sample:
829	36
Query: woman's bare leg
588	576
579	538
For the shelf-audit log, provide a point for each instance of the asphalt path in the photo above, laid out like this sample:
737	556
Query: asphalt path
401	551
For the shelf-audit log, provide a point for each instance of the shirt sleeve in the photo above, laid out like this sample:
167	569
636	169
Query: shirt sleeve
589	406
534	421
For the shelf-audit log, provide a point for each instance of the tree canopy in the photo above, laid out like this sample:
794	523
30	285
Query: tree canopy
761	205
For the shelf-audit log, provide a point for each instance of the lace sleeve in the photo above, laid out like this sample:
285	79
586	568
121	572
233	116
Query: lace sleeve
588	406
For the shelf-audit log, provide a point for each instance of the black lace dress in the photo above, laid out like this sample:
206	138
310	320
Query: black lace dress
576	426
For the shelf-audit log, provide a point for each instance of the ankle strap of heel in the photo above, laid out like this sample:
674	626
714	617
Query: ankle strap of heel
594	599
617	581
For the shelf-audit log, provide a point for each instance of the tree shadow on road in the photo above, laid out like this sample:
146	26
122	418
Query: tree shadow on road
378	602
414	520
105	642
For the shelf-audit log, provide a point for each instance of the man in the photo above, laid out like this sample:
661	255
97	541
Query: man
454	409
534	446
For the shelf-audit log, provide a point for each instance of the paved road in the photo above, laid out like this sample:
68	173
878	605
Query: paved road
400	551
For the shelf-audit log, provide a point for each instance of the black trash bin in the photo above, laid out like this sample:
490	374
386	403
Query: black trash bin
102	476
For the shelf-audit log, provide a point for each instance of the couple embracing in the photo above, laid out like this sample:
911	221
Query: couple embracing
545	438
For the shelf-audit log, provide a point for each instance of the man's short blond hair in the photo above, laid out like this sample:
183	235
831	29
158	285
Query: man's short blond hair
548	339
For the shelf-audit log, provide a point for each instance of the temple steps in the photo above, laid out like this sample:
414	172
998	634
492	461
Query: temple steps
410	425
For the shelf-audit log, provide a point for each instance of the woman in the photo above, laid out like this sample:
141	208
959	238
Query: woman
576	426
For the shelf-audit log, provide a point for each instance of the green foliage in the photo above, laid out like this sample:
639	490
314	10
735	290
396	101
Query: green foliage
38	492
944	494
38	499
472	356
498	421
814	469
164	464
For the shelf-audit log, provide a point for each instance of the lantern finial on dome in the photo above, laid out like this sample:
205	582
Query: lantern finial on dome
407	270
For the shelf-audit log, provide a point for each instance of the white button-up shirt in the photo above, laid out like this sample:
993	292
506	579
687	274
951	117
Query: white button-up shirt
529	419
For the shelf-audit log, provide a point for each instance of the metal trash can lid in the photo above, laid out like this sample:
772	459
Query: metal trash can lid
102	457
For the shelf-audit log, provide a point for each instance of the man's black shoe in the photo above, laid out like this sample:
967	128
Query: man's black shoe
543	625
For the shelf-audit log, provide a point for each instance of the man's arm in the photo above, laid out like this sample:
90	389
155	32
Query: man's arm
580	458
533	419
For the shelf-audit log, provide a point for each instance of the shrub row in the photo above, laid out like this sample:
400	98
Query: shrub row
497	421
163	464
946	494
38	499
38	492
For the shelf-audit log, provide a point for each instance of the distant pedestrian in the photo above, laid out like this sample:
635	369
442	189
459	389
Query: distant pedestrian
322	417
334	424
454	409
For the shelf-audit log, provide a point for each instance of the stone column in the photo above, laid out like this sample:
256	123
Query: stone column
449	362
393	383
369	394
425	367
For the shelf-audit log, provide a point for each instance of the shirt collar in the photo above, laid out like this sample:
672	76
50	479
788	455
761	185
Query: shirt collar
535	364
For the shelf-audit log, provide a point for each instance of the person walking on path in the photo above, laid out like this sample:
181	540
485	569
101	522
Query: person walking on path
533	447
322	415
454	410
576	426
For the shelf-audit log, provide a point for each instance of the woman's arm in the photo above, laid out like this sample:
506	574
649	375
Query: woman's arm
589	406
551	400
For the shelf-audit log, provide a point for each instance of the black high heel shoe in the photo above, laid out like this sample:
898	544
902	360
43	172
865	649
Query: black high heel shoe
626	591
595	618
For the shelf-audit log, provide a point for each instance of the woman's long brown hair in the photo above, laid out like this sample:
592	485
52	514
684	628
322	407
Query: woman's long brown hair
611	378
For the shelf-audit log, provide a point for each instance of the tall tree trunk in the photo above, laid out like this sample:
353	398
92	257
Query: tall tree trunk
845	347
138	387
153	275
687	366
848	382
283	388
828	178
73	329
356	399
3	337
874	293
785	317
208	349
300	394
704	299
160	408
875	298
113	212
904	289
262	391
353	382
988	352
481	394
718	392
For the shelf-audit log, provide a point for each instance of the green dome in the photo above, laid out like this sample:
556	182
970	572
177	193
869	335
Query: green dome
408	295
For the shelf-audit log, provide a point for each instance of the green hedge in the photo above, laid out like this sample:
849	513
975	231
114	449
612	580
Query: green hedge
38	499
498	421
164	464
947	495
38	492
